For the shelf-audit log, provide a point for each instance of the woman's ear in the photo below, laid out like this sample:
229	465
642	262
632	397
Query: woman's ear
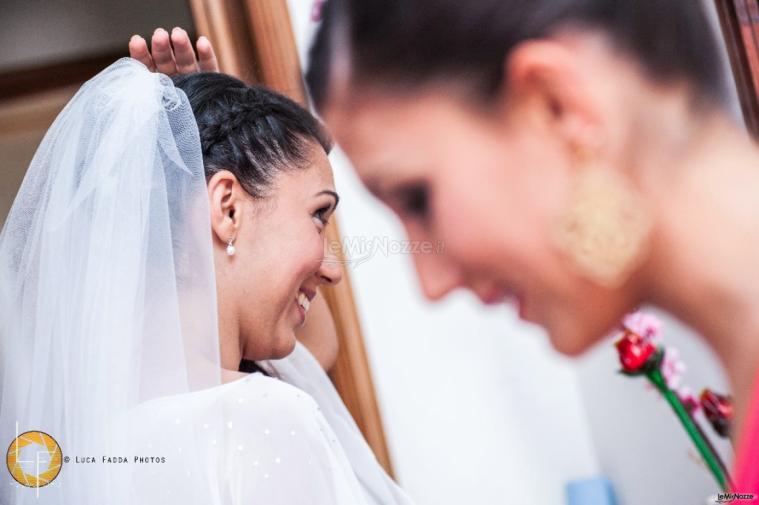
225	198
546	87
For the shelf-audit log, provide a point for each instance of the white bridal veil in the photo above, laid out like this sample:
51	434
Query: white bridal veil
108	292
111	378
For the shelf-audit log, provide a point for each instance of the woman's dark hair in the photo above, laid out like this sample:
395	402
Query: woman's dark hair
412	43
251	131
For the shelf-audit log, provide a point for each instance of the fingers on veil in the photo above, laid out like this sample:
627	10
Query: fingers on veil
173	53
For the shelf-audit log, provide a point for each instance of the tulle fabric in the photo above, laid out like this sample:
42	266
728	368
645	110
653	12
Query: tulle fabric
108	329
108	292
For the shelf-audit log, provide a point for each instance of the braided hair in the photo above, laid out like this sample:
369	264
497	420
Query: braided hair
249	130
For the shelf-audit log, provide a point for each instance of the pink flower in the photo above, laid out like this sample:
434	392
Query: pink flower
672	367
645	325
690	401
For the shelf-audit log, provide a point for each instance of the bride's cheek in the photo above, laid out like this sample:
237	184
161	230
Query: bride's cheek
312	253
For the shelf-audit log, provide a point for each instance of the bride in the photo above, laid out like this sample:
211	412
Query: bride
163	249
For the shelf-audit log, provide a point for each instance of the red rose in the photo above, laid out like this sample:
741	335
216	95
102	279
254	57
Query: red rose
634	351
718	409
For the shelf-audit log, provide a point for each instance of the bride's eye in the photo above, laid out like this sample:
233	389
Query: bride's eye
321	216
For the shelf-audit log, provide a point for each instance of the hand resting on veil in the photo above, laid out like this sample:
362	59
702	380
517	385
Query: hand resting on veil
179	60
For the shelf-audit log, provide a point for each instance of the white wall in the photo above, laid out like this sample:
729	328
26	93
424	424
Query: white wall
477	407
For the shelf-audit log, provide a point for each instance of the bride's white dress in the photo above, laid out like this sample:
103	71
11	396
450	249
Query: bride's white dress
109	335
260	440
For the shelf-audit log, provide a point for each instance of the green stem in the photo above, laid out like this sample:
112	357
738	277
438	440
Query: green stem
716	454
704	448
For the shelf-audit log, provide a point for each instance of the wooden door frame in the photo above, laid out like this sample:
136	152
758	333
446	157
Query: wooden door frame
739	20
254	41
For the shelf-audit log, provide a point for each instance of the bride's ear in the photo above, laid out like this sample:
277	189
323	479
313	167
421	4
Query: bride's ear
225	200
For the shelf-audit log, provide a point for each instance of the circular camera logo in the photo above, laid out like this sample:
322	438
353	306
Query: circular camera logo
34	459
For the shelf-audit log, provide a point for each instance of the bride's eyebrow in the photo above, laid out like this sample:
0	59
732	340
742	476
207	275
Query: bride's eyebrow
334	195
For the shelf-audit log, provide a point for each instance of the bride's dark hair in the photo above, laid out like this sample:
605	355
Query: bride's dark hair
249	130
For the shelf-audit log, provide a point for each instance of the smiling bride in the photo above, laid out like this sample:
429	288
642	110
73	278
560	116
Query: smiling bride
163	249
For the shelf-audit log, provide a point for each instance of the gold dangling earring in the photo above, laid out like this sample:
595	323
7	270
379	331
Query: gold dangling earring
605	228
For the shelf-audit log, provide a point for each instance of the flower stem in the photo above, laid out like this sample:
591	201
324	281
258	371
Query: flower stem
716	454
704	448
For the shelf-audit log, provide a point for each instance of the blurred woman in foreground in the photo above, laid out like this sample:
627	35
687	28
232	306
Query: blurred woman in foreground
573	155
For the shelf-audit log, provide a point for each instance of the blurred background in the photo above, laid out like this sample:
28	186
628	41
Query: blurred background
475	405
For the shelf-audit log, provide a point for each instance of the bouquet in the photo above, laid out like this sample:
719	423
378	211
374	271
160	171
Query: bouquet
641	353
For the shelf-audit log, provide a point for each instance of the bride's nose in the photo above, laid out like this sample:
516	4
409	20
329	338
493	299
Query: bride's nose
331	270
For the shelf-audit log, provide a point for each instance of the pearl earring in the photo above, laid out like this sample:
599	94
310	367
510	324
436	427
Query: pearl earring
230	247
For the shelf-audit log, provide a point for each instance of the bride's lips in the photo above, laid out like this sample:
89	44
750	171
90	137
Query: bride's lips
310	295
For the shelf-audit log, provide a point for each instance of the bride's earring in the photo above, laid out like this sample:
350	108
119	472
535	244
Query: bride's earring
605	227
230	247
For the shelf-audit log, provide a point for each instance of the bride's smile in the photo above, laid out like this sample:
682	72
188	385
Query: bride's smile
267	286
303	301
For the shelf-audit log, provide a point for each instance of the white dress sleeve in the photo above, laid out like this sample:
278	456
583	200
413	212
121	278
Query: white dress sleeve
279	450
259	440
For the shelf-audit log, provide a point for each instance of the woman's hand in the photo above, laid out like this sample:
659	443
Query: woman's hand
179	60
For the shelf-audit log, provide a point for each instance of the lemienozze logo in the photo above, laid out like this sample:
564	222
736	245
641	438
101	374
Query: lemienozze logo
734	497
34	459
